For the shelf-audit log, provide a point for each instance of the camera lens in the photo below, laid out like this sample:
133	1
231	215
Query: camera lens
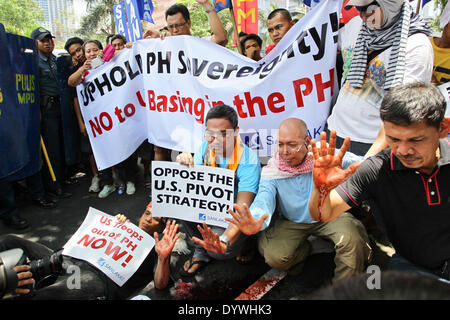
47	268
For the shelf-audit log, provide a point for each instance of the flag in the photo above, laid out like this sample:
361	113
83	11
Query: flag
311	3
145	8
134	21
121	21
424	2
219	5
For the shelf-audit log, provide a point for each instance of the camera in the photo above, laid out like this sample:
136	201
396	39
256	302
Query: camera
45	270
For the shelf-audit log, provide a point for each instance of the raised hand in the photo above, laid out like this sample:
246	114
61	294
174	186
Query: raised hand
121	218
165	246
328	172
211	241
244	220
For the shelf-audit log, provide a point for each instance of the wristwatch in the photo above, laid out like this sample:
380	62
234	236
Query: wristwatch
223	238
209	10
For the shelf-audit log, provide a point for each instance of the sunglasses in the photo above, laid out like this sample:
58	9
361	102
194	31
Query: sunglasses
362	9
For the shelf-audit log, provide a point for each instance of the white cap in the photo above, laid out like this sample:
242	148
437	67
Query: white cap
445	17
359	3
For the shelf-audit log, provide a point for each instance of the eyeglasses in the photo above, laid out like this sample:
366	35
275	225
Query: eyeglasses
222	134
291	150
176	26
362	9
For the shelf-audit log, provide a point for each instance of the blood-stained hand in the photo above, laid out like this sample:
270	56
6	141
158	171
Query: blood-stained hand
211	241
165	246
328	172
243	219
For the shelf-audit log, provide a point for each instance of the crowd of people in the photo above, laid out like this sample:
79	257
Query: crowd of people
386	149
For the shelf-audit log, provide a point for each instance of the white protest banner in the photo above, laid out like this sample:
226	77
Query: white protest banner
161	90
115	249
198	194
445	90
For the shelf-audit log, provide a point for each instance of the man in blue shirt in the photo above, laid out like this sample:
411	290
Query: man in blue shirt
285	187
224	149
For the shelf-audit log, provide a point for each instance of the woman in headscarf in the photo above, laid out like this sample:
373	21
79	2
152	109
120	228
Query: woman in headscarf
385	46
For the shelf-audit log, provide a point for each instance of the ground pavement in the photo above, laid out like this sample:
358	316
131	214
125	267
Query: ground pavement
224	280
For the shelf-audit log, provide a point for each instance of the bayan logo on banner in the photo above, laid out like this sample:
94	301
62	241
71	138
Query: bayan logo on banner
161	90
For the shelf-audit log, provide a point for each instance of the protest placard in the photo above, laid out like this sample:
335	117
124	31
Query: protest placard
198	194
115	249
161	90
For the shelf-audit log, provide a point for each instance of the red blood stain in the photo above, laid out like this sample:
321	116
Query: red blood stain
258	289
184	290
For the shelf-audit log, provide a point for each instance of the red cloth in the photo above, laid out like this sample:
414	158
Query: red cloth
269	47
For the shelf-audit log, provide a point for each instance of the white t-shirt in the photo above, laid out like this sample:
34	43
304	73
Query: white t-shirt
356	112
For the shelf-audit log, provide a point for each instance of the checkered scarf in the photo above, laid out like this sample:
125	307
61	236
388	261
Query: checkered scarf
277	168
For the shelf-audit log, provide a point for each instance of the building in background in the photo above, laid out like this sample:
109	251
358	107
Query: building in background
59	18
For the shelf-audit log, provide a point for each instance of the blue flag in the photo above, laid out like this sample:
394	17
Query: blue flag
121	21
219	5
134	21
424	2
145	8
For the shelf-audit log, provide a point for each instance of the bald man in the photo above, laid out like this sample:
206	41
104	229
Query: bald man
285	186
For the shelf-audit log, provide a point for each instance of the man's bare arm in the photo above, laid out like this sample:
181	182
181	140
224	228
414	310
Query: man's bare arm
219	33
325	204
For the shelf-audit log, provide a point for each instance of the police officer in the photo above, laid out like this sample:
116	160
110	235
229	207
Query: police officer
50	105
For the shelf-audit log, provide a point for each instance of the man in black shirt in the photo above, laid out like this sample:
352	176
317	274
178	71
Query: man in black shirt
409	182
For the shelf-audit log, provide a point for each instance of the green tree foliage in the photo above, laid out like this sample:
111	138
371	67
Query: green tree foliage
440	5
200	26
20	16
99	21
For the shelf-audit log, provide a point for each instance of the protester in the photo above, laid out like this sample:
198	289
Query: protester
74	46
441	49
51	121
94	284
118	41
224	149
286	183
251	46
408	183
179	23
241	36
385	46
279	22
93	49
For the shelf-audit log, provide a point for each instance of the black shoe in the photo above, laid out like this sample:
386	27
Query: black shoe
16	222
71	181
44	203
59	194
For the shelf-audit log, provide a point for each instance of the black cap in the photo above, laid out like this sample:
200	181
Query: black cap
40	33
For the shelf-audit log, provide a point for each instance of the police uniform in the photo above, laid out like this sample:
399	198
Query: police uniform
51	122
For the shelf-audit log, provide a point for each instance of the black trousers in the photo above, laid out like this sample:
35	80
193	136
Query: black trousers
53	136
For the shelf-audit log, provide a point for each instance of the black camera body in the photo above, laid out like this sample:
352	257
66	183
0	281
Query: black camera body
44	271
8	277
